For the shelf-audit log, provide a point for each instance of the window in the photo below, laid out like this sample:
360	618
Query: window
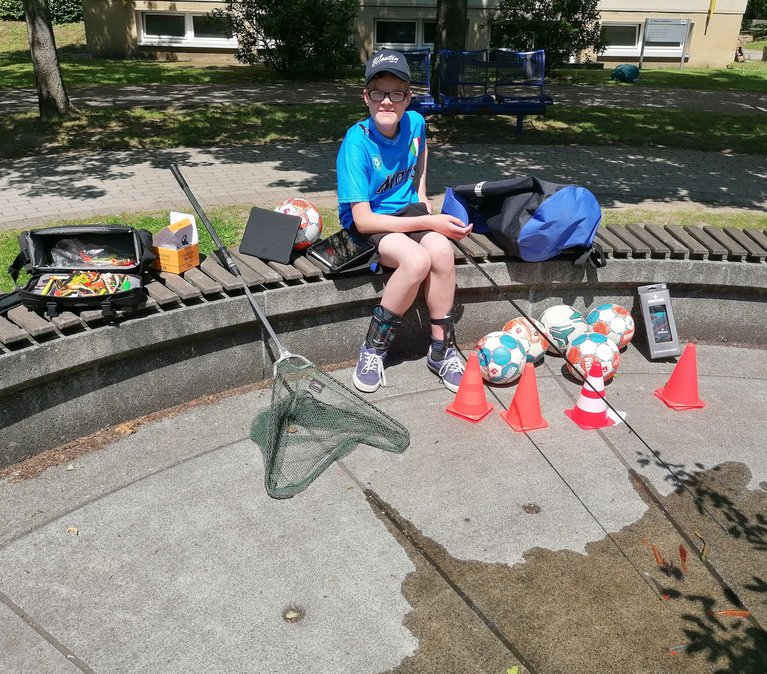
411	34
396	32
622	36
183	29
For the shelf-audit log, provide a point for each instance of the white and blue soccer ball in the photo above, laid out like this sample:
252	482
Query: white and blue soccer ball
590	348
530	334
501	357
613	321
310	229
563	324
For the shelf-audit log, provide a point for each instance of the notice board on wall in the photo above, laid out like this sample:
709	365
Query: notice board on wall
666	32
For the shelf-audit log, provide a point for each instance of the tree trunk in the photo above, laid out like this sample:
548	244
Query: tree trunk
51	96
452	24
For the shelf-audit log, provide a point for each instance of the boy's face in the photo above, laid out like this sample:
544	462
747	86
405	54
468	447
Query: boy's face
385	113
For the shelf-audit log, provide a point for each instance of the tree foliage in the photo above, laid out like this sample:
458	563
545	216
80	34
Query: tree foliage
561	27
755	9
297	37
62	11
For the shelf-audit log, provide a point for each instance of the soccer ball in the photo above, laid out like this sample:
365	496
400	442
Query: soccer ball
531	336
501	357
563	324
613	321
592	346
311	221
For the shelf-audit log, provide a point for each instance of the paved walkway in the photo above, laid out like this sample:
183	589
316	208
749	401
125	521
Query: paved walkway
477	549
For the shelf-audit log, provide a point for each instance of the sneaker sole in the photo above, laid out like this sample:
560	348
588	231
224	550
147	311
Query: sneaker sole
365	388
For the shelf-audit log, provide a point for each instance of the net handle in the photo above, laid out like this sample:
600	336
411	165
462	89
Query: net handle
224	254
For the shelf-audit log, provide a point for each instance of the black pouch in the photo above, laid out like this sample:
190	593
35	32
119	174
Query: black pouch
83	267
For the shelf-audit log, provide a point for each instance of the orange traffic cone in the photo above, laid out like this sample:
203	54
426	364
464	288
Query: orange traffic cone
590	412
681	390
470	402
524	413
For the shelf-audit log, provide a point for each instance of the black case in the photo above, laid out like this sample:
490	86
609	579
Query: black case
35	257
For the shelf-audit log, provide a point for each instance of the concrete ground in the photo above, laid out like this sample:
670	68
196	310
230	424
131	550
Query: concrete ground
477	549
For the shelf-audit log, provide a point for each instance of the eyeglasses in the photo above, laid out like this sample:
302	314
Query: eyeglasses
394	96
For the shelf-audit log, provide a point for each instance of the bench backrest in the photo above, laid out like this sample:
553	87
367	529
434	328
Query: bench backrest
517	72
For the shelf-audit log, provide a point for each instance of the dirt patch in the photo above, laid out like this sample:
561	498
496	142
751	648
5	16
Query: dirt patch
604	611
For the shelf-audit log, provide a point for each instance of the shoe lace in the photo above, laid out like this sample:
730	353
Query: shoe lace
451	364
374	362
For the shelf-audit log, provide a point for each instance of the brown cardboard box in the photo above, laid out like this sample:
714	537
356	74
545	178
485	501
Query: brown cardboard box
176	248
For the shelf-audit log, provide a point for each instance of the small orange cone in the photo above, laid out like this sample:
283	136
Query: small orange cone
524	413
681	389
470	402
590	412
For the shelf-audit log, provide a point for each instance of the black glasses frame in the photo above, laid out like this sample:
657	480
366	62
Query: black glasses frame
378	96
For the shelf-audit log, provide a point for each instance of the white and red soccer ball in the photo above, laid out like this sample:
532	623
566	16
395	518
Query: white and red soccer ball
562	324
501	357
531	336
310	229
589	348
613	321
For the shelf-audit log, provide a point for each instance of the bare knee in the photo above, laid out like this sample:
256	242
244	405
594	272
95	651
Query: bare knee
415	266
440	253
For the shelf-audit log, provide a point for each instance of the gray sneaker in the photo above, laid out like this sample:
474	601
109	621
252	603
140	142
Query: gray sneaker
369	374
449	370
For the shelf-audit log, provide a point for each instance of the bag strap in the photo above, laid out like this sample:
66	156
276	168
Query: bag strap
17	265
591	257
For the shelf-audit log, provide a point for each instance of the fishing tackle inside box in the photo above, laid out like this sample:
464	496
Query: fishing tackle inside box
84	284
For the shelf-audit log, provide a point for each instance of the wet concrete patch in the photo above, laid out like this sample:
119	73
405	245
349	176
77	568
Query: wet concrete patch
603	611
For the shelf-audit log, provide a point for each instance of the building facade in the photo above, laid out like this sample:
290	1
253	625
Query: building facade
168	29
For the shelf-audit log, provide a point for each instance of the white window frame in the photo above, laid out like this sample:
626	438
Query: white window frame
649	51
189	40
419	29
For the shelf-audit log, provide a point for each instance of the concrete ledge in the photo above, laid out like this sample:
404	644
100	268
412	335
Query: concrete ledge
58	390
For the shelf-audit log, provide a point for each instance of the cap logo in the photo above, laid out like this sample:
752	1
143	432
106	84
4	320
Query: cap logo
385	58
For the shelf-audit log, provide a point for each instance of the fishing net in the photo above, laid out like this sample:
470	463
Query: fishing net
314	420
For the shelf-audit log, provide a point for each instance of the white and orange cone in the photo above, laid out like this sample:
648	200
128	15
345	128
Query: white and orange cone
590	412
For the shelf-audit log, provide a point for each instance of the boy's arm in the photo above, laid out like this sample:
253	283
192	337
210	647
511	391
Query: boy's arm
368	222
419	180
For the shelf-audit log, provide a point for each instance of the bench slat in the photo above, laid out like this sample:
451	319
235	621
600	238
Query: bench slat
287	271
212	267
11	333
475	250
657	248
754	251
759	237
304	265
267	274
146	305
734	250
695	248
161	294
66	320
252	277
488	244
715	249
28	320
458	255
638	248
207	285
677	249
615	245
185	290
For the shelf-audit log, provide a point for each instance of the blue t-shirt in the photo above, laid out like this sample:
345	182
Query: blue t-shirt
377	169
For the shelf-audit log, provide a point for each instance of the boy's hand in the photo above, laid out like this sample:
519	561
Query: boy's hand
449	226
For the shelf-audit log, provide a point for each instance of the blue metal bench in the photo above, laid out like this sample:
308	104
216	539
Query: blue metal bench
501	81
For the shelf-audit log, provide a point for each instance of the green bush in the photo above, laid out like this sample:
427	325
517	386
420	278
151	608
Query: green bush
11	10
298	38
62	11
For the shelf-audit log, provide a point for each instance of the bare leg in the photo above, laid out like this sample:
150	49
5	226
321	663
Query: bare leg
411	263
439	288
